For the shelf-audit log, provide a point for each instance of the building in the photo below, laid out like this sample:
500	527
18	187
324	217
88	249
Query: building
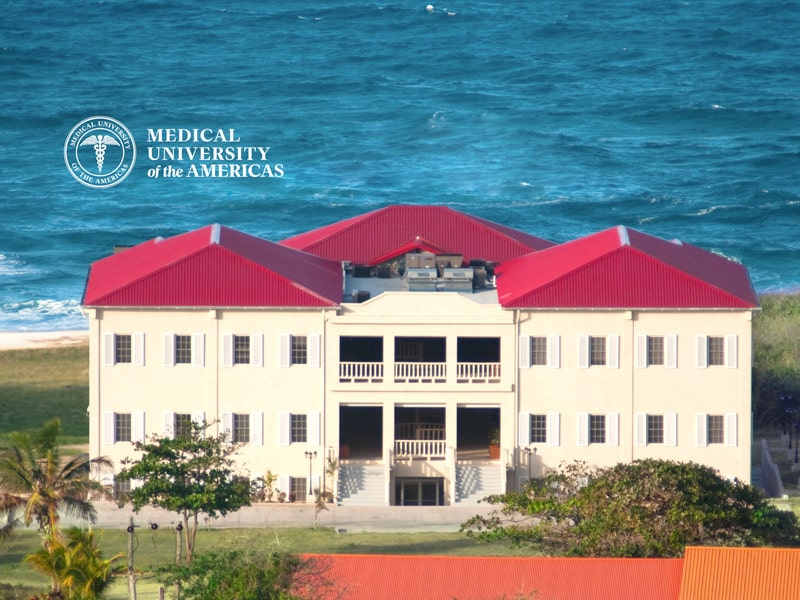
436	357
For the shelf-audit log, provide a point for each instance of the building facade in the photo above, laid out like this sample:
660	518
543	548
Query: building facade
433	357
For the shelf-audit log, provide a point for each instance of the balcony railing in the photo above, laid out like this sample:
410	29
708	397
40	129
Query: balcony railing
420	372
419	448
478	372
419	431
360	372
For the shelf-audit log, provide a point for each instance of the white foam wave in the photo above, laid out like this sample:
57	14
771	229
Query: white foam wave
10	266
42	315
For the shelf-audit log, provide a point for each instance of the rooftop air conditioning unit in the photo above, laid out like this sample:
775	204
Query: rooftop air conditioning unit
421	280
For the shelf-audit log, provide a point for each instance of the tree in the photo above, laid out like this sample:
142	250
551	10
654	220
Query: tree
189	474
75	565
37	479
648	508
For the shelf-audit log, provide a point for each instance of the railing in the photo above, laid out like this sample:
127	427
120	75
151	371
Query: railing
420	372
360	372
420	448
418	431
478	372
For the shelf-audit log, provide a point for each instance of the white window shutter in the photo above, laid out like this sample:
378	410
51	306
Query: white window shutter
583	352
641	351
553	429
612	342
108	426
312	431
524	424
257	349
257	428
138	427
315	482
553	351
671	429
199	419
285	350
671	351
227	426
199	349
701	429
169	350
169	425
583	429
284	429
731	351
612	429
641	429
106	479
227	349
285	484
314	349
731	430
108	349
702	352
136	483
137	340
524	351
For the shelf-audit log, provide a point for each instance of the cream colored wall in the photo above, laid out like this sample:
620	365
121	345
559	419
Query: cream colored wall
627	390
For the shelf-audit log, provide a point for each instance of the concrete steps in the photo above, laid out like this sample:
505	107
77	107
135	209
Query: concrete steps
362	485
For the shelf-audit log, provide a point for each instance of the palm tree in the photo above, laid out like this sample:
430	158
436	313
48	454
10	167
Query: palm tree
38	482
75	565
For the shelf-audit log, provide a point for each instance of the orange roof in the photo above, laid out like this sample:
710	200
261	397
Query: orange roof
740	574
375	577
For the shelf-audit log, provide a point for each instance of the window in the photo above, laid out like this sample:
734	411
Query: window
241	349
538	429
538	350
183	349
597	429
299	350
299	489
299	428
715	426
241	428
597	350
716	350
123	427
655	429
182	425
122	489
123	348
655	350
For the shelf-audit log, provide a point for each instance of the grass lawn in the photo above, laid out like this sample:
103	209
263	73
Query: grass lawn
37	385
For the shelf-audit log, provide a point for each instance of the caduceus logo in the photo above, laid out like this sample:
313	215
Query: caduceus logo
100	152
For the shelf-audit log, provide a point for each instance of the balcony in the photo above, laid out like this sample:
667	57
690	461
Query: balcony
419	440
478	372
360	372
420	372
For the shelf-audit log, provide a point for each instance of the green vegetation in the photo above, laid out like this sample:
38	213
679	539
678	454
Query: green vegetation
647	508
36	385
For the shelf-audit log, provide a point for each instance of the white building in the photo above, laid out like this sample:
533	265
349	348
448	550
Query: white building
399	342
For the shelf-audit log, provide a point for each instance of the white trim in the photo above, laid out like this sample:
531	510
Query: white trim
285	485
199	349
285	350
524	425
701	429
227	426
313	348
641	351
670	429
137	351
108	349
702	351
640	438
524	351
199	418
554	351
284	428
138	430
168	358
583	429
313	428
109	421
169	425
227	350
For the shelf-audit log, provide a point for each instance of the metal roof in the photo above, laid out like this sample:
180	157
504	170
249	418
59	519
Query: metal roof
624	268
376	577
740	574
385	233
214	266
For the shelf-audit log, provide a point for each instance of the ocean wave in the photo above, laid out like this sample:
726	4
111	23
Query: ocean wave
42	315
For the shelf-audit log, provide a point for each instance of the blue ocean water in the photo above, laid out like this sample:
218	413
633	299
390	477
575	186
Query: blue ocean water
677	118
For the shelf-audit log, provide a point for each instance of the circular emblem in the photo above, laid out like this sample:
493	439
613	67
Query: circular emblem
100	152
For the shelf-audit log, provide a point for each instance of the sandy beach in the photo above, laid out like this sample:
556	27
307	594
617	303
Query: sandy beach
19	340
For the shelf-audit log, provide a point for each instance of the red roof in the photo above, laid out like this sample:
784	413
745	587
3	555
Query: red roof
213	266
375	577
623	268
382	234
741	574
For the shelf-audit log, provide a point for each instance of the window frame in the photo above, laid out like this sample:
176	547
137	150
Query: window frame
123	432
538	429
298	491
597	430
298	428
538	351
240	428
656	356
715	351
123	348
598	351
183	349
715	430
655	429
241	354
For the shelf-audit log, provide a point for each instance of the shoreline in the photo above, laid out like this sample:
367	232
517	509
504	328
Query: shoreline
26	340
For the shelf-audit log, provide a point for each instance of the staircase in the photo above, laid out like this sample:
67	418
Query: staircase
362	484
475	481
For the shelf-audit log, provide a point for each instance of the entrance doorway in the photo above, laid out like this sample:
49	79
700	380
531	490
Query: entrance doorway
419	491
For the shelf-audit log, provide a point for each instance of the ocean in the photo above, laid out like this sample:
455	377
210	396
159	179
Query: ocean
676	118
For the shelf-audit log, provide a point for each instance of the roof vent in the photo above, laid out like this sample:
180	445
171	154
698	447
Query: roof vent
677	242
624	238
215	232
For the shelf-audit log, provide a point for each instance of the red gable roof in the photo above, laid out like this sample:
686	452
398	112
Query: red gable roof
382	234
740	574
213	266
374	577
623	268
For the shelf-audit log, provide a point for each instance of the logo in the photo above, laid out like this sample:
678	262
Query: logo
100	152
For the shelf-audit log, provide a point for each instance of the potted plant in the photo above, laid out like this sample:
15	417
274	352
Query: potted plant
494	442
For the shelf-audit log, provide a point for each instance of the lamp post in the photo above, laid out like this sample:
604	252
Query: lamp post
310	456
